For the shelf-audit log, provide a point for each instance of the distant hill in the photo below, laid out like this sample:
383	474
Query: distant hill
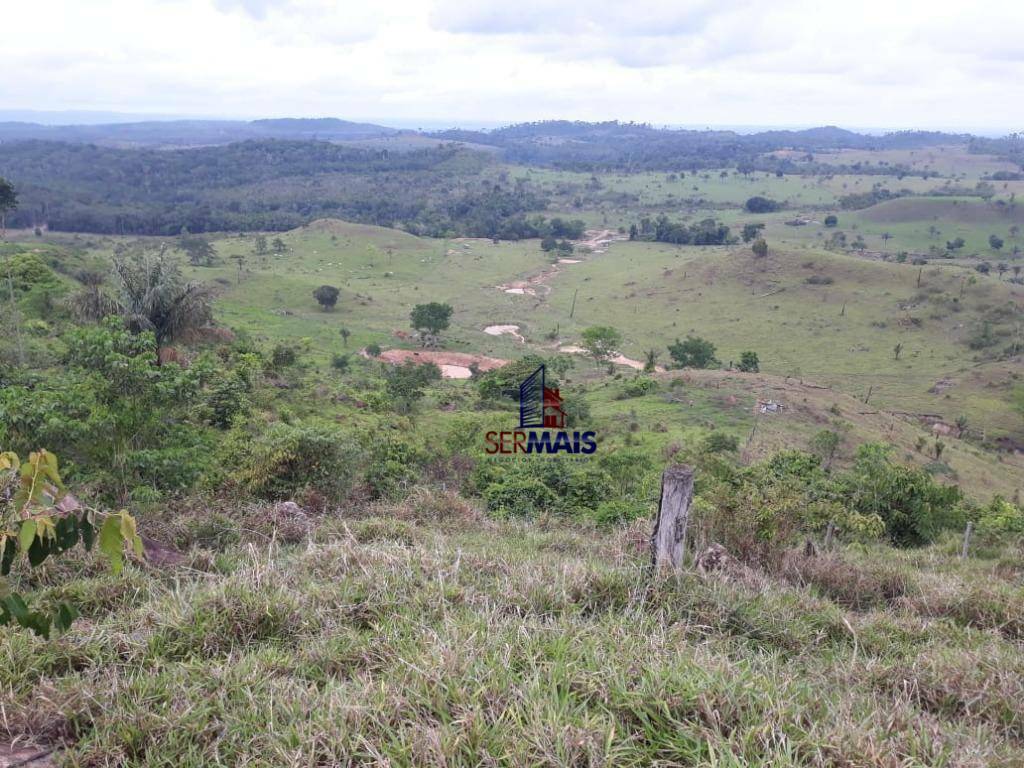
635	146
192	133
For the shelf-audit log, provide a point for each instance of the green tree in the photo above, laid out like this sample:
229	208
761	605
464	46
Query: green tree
8	202
824	445
326	296
429	320
278	246
995	242
198	249
751	231
831	221
651	360
759	204
154	297
749	362
261	245
760	248
694	352
406	383
602	342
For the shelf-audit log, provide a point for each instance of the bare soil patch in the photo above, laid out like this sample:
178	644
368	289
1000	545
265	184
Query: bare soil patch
453	365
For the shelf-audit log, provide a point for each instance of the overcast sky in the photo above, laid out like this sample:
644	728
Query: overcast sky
871	63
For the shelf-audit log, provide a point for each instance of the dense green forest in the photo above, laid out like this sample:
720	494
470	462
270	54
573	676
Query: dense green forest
275	184
260	185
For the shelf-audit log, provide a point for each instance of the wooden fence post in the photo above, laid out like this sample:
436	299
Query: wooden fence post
668	541
829	533
967	540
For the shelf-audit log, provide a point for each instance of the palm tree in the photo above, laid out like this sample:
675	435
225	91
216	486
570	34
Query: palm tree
153	296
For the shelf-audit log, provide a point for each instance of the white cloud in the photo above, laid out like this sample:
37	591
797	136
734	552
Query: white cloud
903	63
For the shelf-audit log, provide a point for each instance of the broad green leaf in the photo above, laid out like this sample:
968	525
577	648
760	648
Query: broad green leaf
111	543
41	549
27	534
64	616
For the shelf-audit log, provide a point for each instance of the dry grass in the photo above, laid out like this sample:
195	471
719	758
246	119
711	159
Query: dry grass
388	640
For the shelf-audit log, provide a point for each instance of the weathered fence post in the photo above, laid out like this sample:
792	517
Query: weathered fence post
829	533
668	541
967	540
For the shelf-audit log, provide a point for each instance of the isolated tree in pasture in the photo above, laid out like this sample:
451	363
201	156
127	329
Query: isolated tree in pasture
995	242
261	245
760	248
1002	267
759	204
749	362
939	447
326	296
153	296
831	221
694	352
429	320
602	342
278	246
750	231
198	249
8	202
1014	232
886	237
955	244
651	360
897	350
345	333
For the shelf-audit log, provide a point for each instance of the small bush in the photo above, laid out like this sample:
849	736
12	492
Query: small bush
638	387
282	459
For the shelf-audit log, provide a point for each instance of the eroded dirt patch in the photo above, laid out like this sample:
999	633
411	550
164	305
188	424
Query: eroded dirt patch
453	365
503	330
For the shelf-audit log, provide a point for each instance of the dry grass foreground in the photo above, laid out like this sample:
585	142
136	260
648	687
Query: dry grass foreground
433	636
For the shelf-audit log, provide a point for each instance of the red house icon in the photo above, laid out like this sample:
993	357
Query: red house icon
554	416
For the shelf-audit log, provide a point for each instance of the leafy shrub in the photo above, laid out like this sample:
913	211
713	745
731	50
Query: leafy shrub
720	442
913	507
694	352
282	459
39	522
283	356
619	511
519	496
638	387
759	204
1001	522
395	463
749	362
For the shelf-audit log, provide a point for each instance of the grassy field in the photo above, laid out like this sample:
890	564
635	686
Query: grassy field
433	636
813	316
